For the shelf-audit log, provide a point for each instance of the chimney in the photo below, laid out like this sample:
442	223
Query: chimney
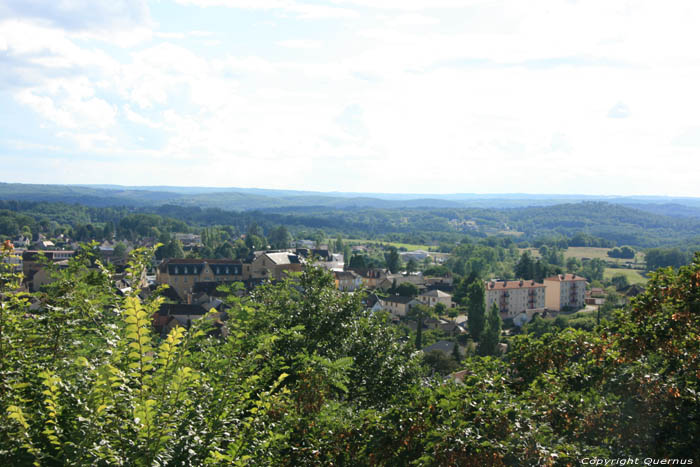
521	283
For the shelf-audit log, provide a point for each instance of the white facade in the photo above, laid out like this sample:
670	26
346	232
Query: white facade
515	297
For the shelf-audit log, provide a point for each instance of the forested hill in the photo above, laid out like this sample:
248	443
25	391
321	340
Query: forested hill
243	199
618	225
621	224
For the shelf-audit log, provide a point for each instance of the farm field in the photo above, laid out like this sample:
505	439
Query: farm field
633	276
600	253
407	246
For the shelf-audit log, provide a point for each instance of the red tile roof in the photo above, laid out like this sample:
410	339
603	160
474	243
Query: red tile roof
565	277
502	285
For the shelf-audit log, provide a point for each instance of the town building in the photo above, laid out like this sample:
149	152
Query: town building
274	265
347	281
372	278
34	270
398	305
182	274
433	297
515	297
565	292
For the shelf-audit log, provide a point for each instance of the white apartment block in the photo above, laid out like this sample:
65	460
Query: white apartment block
515	297
565	291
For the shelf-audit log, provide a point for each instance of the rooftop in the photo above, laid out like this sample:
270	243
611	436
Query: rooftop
565	277
503	285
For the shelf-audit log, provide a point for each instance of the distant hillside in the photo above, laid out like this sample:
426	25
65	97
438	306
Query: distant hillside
622	224
243	199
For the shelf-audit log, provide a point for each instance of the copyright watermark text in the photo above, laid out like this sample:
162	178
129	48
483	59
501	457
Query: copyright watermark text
633	461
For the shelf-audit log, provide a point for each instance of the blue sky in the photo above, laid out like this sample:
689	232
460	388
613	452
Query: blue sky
419	96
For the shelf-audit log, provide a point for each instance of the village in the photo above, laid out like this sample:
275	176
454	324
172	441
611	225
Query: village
191	286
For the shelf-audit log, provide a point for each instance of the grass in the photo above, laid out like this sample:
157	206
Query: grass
587	252
633	275
600	253
407	246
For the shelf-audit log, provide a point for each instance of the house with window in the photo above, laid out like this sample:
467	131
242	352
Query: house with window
398	305
274	265
347	281
565	291
433	297
182	274
515	297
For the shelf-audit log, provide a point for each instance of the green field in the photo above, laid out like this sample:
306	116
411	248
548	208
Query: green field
600	253
407	246
633	276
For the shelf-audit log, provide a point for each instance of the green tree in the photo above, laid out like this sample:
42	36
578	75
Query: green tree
120	251
440	309
620	281
393	261
573	264
418	313
456	354
407	289
279	238
525	269
411	266
476	309
492	333
593	269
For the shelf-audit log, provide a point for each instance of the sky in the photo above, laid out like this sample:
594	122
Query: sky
393	96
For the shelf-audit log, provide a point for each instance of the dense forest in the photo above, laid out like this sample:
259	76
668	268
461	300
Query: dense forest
306	376
581	224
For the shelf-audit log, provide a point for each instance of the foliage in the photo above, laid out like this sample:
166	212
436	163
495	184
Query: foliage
476	309
623	252
491	337
304	375
662	257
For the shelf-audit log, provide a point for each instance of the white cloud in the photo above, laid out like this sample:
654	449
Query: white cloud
300	9
413	19
484	98
300	44
619	110
80	15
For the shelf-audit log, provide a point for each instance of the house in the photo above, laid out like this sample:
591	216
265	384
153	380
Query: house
318	254
305	243
44	245
433	297
22	241
416	255
565	291
373	277
451	328
595	296
322	258
35	275
182	274
439	281
274	265
347	281
14	259
188	239
372	302
398	305
415	278
515	297
170	315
